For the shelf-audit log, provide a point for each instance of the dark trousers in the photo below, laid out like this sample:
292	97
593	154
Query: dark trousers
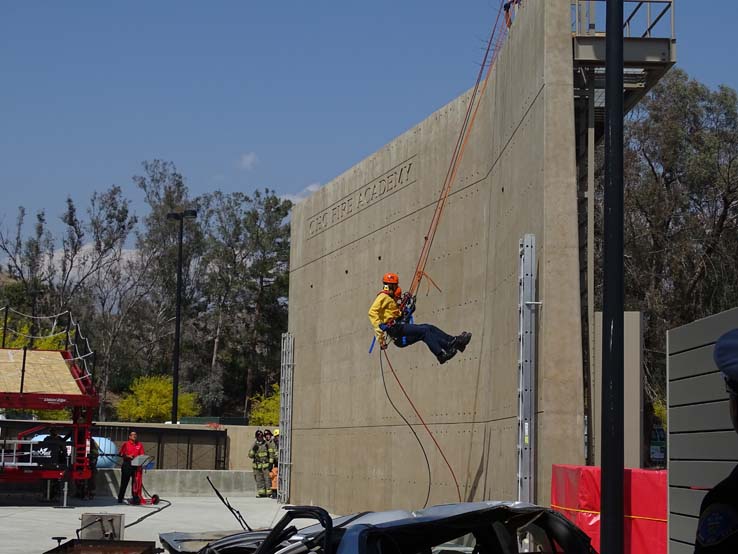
436	340
126	473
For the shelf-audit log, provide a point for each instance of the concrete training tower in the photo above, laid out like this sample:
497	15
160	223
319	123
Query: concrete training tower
349	449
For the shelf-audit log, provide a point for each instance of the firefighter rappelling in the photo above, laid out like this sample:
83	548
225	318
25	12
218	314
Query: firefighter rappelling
389	319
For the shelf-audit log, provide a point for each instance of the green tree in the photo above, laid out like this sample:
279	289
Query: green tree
165	191
265	409
150	400
681	211
246	291
268	233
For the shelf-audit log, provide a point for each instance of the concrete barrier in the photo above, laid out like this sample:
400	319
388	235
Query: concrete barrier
181	482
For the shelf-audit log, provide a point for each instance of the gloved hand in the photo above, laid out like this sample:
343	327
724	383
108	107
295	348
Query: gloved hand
382	345
383	326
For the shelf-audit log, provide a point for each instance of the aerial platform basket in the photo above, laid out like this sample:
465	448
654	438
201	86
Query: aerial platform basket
46	380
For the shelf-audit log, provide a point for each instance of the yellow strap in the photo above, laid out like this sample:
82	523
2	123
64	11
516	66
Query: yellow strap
598	513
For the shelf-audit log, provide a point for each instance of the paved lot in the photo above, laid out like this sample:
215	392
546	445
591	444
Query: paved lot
27	524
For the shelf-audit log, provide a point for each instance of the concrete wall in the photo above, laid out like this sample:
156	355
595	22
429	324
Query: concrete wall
634	445
350	450
180	482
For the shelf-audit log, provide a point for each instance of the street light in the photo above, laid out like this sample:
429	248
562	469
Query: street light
179	216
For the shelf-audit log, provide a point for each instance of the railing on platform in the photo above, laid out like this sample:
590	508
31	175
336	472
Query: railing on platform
642	17
21	453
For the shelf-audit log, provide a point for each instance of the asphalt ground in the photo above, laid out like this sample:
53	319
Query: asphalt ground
27	523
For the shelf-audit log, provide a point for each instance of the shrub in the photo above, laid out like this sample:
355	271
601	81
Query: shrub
150	400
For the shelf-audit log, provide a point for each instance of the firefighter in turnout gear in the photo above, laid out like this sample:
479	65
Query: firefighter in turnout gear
272	455
259	455
386	317
271	448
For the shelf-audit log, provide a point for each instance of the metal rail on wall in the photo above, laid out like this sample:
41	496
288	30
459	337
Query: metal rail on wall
527	307
285	417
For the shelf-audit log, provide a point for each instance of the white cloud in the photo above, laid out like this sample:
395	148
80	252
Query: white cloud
303	194
248	161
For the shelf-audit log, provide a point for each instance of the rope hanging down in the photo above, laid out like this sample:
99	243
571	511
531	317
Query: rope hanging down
495	39
417	438
417	413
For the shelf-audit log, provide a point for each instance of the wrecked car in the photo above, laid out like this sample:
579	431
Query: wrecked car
462	528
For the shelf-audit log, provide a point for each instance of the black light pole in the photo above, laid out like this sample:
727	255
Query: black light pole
179	216
613	294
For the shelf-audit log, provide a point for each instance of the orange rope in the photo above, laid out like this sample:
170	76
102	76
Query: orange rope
458	153
417	413
646	518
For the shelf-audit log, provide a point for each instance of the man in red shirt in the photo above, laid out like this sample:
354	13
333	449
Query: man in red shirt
130	449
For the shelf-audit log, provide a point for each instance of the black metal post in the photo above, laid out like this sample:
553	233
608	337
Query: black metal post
66	339
5	324
177	318
613	294
23	369
76	341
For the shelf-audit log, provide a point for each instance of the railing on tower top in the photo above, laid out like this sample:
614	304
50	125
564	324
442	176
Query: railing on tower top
642	18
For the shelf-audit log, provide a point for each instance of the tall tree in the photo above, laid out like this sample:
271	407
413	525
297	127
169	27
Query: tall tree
165	191
246	286
30	261
117	291
108	227
268	233
54	276
681	210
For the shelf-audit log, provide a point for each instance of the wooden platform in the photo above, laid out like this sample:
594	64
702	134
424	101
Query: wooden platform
46	372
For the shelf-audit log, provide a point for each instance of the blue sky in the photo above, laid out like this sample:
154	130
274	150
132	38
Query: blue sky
244	94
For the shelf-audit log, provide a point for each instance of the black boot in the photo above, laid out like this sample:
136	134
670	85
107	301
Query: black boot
446	355
461	341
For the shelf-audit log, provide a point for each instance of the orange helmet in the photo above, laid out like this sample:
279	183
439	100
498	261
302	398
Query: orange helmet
390	279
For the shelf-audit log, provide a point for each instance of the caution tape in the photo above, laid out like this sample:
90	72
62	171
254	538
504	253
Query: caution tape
646	518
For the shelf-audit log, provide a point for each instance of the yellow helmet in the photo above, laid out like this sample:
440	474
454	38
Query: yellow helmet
276	432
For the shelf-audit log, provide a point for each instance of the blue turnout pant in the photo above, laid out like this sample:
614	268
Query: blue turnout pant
405	334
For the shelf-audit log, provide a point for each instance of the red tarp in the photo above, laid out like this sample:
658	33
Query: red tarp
575	492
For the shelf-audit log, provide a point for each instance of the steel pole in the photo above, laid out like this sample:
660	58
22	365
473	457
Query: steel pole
66	339
613	296
5	324
177	318
23	369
